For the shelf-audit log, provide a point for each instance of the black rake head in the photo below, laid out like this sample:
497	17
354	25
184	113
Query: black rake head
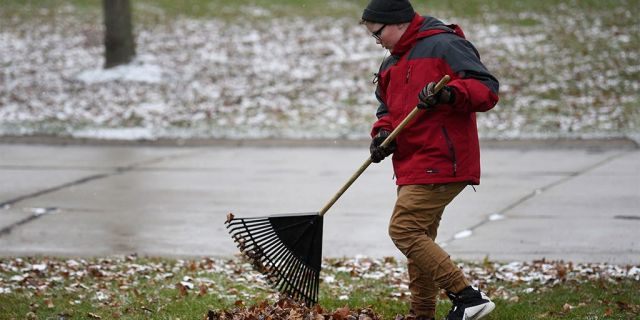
285	248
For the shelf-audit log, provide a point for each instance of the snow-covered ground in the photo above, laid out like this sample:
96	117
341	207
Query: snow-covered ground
285	77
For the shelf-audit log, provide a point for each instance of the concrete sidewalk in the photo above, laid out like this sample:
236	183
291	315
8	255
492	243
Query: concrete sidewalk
581	205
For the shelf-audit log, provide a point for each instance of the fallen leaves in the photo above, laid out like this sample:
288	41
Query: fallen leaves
290	310
104	281
182	289
341	313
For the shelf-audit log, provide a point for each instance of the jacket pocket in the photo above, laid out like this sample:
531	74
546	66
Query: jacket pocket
452	150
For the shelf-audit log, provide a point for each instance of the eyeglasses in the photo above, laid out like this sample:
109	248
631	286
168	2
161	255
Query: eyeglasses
377	34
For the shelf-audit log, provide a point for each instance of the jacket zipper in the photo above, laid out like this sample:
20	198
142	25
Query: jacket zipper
452	150
408	74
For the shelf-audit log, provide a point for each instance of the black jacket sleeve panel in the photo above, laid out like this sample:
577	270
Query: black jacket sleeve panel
464	60
383	110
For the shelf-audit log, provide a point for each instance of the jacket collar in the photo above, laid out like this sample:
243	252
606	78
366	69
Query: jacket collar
423	27
408	39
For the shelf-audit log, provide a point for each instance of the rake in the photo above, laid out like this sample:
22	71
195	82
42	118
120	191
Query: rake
287	248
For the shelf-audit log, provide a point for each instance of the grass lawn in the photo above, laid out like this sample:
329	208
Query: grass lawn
144	288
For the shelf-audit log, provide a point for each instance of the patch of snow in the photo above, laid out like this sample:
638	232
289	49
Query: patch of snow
115	133
39	267
236	79
132	72
42	211
463	234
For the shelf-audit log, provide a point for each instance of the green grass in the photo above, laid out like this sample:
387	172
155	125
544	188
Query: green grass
229	9
137	288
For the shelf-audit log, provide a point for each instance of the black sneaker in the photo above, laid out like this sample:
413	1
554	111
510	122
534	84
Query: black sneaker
469	304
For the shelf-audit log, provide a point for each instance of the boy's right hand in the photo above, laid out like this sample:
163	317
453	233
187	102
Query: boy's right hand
378	152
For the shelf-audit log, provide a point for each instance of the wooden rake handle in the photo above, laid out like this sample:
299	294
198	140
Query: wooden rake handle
385	143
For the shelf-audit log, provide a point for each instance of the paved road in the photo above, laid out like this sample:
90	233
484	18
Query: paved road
573	204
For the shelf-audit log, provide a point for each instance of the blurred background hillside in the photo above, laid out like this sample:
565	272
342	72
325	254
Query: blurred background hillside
303	69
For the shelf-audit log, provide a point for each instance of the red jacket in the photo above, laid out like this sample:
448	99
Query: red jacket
438	146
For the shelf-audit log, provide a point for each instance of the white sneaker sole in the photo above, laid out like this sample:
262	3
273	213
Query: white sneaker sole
479	311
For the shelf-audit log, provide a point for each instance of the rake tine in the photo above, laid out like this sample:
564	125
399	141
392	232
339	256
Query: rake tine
262	237
246	221
309	279
266	251
282	259
256	246
284	268
302	281
316	286
256	230
265	233
240	224
287	272
298	279
308	284
302	278
270	262
275	250
291	278
304	286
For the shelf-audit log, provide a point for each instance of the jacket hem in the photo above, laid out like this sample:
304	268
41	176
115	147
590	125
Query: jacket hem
408	181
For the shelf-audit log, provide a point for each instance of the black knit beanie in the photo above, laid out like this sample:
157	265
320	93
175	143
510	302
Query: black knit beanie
388	11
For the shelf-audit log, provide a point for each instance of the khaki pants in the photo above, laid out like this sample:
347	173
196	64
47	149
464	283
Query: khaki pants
413	229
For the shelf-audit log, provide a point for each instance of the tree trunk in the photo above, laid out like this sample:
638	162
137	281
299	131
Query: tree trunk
118	39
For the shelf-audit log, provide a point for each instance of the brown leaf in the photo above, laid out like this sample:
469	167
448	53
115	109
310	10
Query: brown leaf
295	314
95	271
203	290
562	272
341	313
93	316
608	312
49	303
182	290
567	307
230	217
